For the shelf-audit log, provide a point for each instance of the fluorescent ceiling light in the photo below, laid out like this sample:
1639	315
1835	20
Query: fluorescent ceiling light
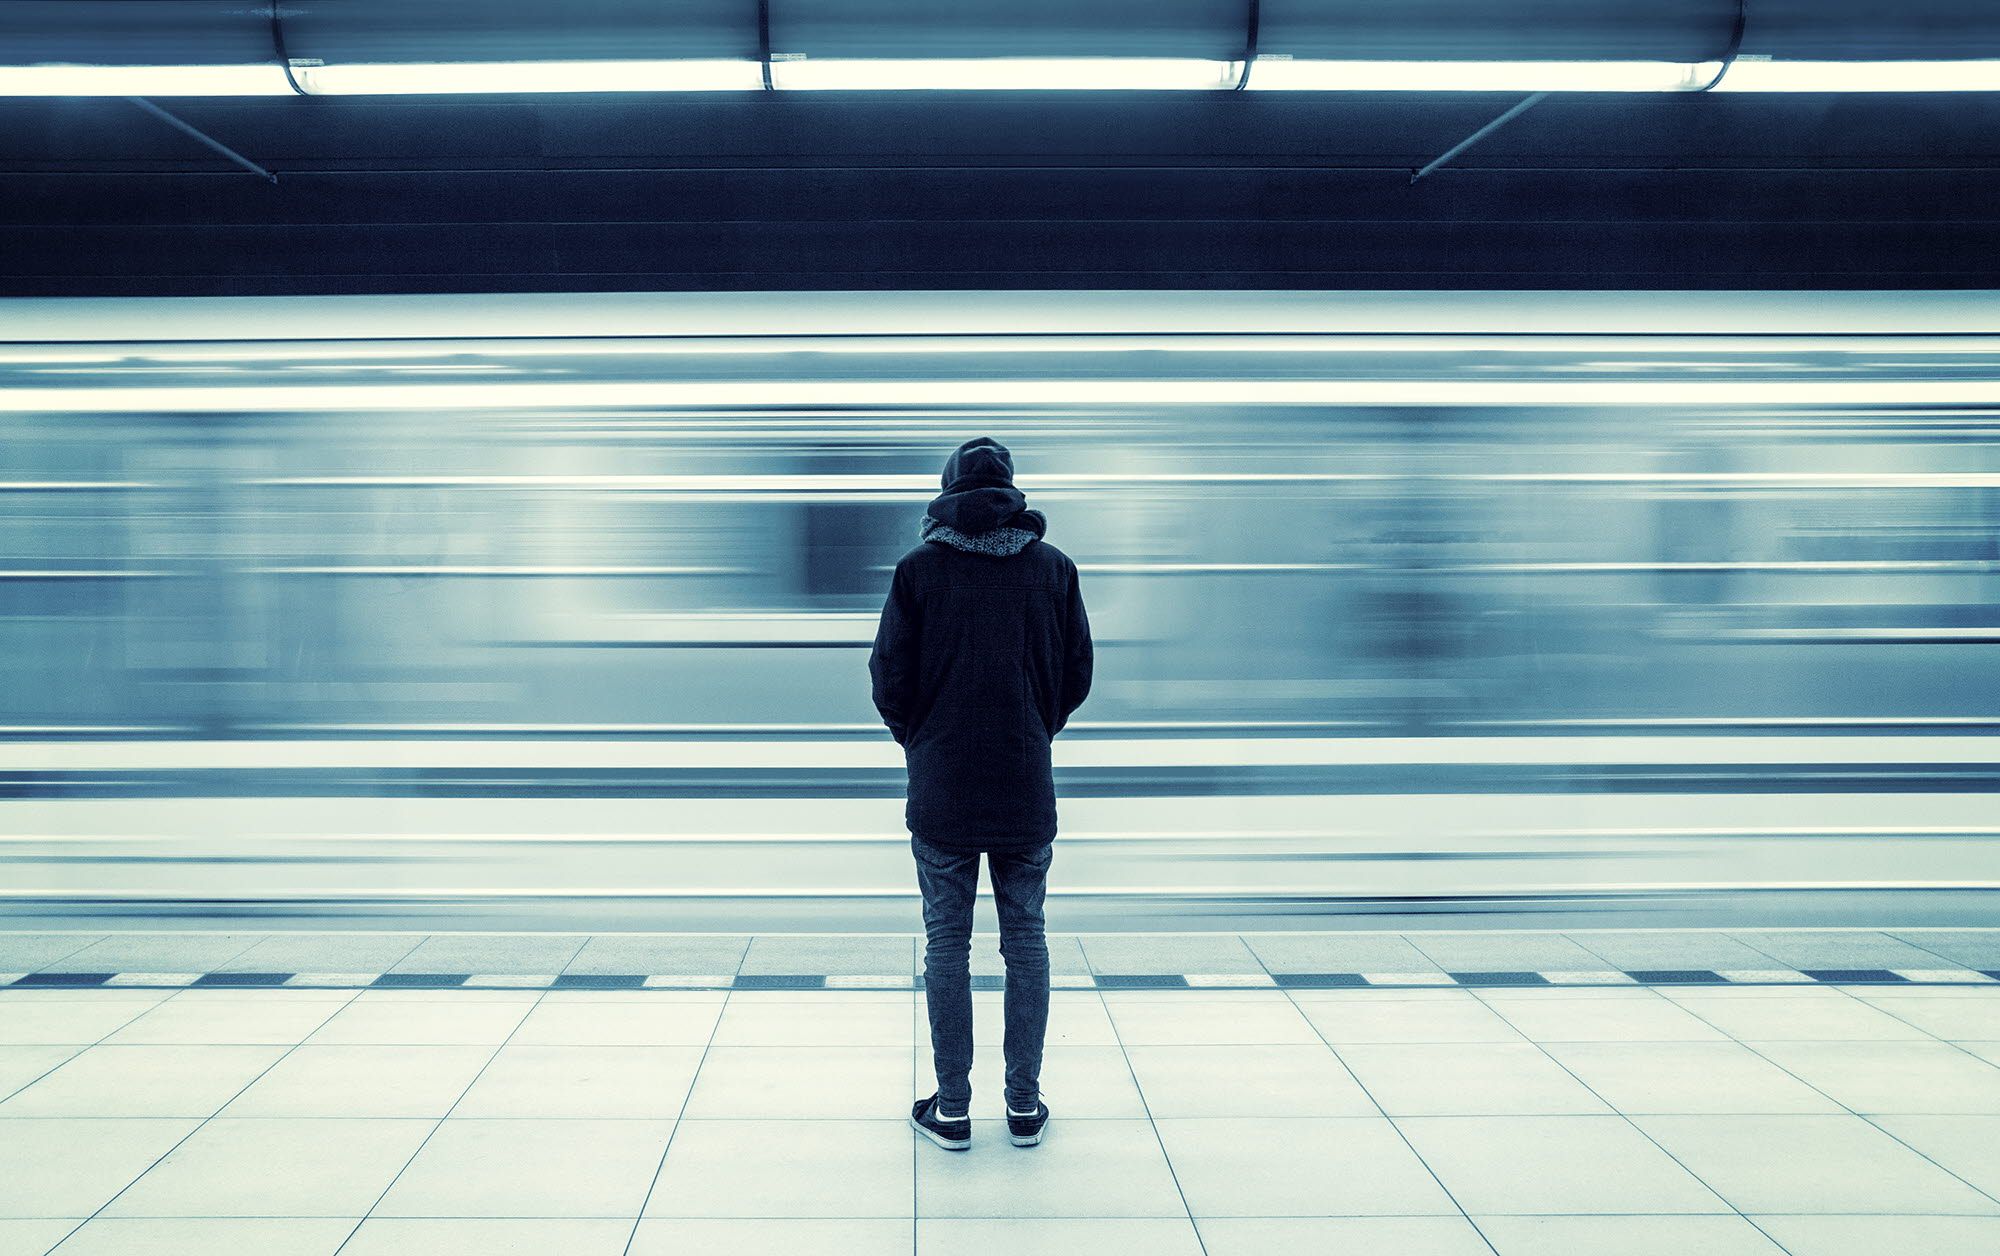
1282	74
976	74
1761	74
444	77
143	80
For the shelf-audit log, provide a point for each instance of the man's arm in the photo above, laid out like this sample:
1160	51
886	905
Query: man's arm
892	664
1077	652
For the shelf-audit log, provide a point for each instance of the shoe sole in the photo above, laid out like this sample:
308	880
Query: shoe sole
1026	1140
949	1144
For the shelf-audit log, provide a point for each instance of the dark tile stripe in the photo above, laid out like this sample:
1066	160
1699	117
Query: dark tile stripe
599	981
1677	977
1140	981
1853	976
65	979
1499	979
258	980
1318	981
420	981
780	981
988	981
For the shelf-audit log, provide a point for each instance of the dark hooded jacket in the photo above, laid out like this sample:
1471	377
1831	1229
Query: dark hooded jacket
982	655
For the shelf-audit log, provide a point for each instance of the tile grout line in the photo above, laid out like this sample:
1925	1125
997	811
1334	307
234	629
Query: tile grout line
203	1123
1752	1049
1636	1127
439	1123
1145	1105
81	1047
694	1079
1386	1118
1870	1119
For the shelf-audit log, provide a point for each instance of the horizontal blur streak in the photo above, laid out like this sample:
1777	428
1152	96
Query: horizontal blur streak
1469	620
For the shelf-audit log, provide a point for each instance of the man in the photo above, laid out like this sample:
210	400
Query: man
982	655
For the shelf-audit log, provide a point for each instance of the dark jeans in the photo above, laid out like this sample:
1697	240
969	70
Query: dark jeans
950	882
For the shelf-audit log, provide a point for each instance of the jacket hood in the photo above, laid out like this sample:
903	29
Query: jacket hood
980	510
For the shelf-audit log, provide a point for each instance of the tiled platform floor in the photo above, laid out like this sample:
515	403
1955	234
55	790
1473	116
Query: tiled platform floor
1806	1119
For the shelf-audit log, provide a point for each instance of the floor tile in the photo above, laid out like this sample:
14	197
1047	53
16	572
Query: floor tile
1777	1020
72	1022
144	1081
1629	949
1467	1079
1303	1167
809	953
373	1081
490	953
1878	1236
539	1081
1337	953
1688	1078
1627	1236
425	1023
1554	1164
1195	1021
1082	1169
1077	1082
504	1168
703	954
1968	1146
1247	1081
1974	948
256	1018
31	952
1461	1018
1892	1077
1837	948
31	1237
22	1064
323	953
643	1024
1648	1018
1057	1236
210	1236
1810	1164
485	1236
1075	1020
843	1023
1386	1236
743	1236
1504	952
67	1168
787	1169
275	1168
1169	953
811	1082
1957	1019
157	953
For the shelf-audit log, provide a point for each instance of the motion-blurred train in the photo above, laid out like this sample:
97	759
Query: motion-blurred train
557	608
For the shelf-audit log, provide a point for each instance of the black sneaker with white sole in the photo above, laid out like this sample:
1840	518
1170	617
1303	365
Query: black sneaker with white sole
1026	1131
950	1135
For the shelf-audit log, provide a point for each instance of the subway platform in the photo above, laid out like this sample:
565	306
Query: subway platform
1811	1092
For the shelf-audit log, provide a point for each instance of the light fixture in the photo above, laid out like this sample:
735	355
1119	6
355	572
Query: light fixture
1762	74
420	78
265	79
1284	74
977	74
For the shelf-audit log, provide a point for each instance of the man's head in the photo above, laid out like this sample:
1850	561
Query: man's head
979	463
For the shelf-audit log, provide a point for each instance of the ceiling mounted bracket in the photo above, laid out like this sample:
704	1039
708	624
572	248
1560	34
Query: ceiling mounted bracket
278	46
764	41
1735	45
1256	19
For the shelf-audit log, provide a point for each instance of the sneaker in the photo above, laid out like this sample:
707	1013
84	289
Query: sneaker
1026	1131
950	1135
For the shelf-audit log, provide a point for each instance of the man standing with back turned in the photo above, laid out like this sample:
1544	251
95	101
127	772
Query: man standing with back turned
982	656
